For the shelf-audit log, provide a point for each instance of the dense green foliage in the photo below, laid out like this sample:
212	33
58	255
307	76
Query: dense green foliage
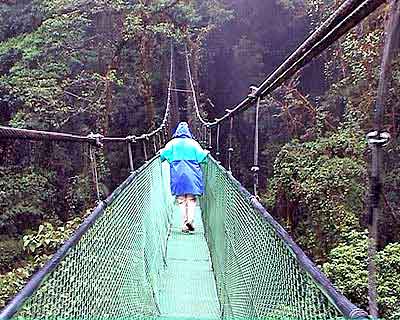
24	198
37	247
346	267
318	186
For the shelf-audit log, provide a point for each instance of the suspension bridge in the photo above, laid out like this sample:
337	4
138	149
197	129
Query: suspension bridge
129	260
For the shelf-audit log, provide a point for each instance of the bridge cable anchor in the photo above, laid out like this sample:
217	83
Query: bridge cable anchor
95	139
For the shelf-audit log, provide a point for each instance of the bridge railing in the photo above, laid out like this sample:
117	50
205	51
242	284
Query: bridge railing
260	272
111	266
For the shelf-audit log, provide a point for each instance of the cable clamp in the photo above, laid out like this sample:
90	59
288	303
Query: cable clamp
95	139
255	199
255	169
358	313
131	139
380	138
252	92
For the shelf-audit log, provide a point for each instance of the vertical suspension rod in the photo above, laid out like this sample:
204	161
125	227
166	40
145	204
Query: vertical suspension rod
217	142
94	172
154	145
205	136
145	150
130	154
230	150
209	137
255	169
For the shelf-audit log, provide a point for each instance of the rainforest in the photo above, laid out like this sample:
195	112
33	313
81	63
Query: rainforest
97	68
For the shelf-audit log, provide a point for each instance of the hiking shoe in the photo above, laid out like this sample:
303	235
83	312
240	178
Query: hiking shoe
185	230
189	225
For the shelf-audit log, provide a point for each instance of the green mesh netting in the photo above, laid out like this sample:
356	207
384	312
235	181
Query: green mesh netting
134	263
257	275
114	271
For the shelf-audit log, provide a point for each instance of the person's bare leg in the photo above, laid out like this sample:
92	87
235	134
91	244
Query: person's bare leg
182	203
191	208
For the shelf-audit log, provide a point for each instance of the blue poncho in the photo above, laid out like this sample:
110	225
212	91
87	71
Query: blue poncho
184	155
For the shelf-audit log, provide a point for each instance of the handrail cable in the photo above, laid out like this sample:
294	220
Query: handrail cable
17	133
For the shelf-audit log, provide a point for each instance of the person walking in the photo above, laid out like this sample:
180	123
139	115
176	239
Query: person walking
184	155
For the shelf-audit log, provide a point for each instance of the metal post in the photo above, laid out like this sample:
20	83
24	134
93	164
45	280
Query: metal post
376	140
375	194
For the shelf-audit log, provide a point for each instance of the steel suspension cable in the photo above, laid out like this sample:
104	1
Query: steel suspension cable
349	14
189	72
342	28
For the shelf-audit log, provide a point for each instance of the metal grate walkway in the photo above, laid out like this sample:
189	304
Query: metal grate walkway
188	289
